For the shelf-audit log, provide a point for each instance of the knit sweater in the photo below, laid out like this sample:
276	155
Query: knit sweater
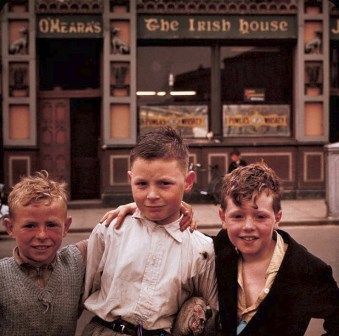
27	310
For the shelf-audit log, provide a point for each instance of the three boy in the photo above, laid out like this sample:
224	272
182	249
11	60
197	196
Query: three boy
139	276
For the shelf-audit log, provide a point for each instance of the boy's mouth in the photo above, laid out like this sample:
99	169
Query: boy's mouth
248	238
41	247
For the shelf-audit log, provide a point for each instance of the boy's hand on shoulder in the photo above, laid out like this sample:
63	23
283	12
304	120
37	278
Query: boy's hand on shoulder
119	214
127	209
187	220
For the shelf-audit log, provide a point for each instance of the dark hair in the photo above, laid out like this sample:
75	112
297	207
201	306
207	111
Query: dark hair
235	152
246	183
161	143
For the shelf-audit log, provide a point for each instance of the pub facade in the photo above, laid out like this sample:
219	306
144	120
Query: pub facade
81	80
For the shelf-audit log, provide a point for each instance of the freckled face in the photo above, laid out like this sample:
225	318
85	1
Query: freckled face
158	187
38	230
250	230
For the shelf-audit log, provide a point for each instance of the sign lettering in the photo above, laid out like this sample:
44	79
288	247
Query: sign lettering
88	26
216	26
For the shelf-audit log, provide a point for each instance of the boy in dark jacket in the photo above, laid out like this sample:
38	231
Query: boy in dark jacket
268	284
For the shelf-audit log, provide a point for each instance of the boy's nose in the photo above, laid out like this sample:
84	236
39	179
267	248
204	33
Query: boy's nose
248	223
152	194
41	234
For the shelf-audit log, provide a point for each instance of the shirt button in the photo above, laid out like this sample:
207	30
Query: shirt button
266	290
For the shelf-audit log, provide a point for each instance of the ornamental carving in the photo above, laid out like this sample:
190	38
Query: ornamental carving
218	7
69	6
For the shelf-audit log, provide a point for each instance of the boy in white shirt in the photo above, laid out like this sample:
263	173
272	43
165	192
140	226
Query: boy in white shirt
138	277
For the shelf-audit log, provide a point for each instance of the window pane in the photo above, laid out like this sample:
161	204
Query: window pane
267	70
19	122
167	75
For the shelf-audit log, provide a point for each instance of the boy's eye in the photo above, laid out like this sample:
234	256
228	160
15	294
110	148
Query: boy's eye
52	224
29	226
237	216
141	184
261	216
166	183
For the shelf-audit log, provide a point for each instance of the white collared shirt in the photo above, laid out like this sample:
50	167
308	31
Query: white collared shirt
245	313
144	272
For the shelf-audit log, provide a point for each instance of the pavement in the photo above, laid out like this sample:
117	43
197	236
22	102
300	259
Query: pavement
295	212
86	214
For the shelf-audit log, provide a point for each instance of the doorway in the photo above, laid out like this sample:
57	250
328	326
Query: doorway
70	104
85	133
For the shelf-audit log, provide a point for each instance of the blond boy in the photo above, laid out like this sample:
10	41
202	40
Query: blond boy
40	285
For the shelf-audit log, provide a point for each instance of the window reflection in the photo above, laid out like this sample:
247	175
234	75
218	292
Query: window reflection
264	69
168	75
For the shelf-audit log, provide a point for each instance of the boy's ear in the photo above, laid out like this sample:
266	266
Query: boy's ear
189	180
9	224
222	217
68	223
129	173
278	216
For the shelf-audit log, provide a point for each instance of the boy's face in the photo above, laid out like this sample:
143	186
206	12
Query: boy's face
38	230
158	187
250	230
234	157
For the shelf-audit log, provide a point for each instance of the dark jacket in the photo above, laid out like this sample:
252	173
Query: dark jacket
304	288
234	165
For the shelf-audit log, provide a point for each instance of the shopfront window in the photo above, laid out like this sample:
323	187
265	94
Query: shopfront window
256	90
173	88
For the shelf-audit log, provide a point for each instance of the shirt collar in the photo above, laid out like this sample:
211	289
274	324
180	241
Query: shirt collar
278	255
173	229
25	264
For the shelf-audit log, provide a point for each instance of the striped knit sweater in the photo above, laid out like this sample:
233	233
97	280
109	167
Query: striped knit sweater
27	310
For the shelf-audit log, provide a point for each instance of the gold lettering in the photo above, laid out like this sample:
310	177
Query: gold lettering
63	26
208	25
215	26
247	27
72	28
97	27
44	25
162	25
274	26
81	27
201	26
264	26
89	28
226	25
54	26
243	26
191	25
283	26
151	24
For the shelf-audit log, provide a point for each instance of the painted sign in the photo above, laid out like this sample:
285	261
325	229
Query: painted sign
254	95
190	121
256	120
69	26
217	26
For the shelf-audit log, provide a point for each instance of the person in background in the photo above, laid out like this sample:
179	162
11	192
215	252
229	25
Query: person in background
138	277
237	161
